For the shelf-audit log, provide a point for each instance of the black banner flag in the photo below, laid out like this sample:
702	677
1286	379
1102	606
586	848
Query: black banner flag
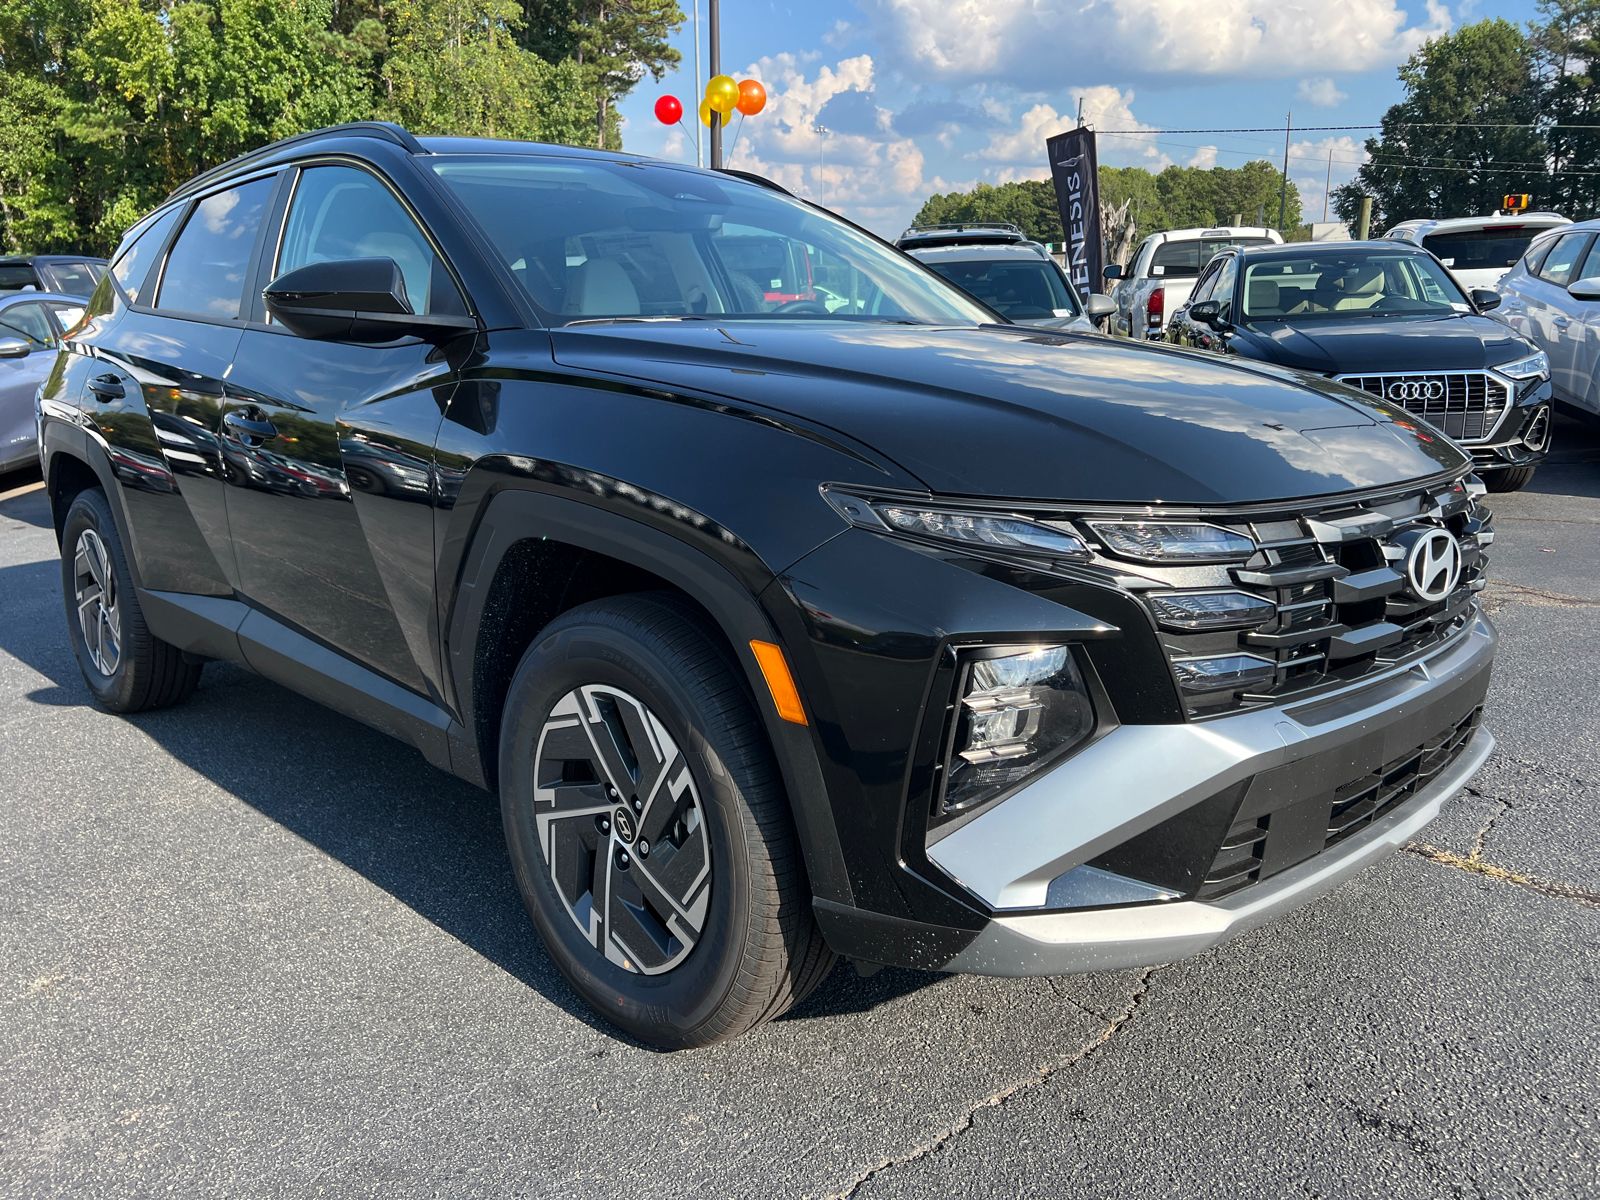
1077	176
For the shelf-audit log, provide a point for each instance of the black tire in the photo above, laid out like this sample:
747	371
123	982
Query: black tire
757	950
145	672
1512	479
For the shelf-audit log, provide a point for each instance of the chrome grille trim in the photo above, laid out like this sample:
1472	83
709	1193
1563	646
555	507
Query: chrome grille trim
1463	405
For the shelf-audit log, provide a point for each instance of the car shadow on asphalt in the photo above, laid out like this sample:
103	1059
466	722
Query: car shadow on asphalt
1573	468
373	804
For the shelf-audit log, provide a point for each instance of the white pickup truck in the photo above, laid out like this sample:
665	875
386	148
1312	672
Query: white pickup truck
1164	271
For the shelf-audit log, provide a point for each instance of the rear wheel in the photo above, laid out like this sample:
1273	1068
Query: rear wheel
648	826
127	667
1512	479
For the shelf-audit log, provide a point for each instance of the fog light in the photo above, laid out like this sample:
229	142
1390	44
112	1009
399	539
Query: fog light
1018	712
1157	541
1210	610
1224	673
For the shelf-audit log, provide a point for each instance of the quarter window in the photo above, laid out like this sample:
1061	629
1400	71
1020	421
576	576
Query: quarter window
1557	266
341	213
131	267
206	270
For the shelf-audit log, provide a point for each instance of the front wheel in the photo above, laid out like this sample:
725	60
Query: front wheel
648	826
1512	479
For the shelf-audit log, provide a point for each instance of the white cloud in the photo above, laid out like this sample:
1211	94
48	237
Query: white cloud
1321	92
1205	157
1024	42
1309	167
1103	107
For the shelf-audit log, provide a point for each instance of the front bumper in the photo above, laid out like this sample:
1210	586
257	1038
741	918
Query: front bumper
1037	862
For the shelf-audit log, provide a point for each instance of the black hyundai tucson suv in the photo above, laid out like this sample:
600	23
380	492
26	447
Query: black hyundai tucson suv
868	625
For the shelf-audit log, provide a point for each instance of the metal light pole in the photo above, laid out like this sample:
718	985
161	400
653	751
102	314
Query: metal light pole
822	161
699	90
1283	192
712	10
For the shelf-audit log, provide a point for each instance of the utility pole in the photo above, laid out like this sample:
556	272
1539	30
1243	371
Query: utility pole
1283	192
699	90
1327	187
1080	112
822	162
715	64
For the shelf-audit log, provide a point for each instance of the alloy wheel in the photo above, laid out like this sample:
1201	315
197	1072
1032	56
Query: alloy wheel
621	828
99	611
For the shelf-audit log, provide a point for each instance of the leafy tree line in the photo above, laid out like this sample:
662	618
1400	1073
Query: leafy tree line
107	105
1491	110
1176	198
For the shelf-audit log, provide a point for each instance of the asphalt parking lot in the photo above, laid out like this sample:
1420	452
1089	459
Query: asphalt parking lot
250	948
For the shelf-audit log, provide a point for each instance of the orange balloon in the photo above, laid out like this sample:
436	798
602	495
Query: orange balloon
752	97
722	93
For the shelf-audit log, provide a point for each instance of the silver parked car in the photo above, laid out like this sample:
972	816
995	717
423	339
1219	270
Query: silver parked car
31	324
1552	298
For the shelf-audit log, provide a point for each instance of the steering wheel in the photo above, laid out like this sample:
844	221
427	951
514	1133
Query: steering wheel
803	306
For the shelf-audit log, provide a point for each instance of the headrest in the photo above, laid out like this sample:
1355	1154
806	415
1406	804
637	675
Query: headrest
601	288
1364	280
1263	295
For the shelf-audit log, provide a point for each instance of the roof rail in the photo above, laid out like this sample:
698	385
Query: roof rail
964	226
386	130
752	177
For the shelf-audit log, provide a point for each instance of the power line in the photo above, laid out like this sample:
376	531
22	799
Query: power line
1344	128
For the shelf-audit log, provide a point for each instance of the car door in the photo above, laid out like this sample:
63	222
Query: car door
1584	332
1549	311
1181	329
331	443
28	321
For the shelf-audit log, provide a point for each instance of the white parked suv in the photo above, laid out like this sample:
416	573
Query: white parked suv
1164	271
1477	250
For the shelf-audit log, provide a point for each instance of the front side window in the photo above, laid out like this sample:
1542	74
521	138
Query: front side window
1183	260
1563	257
28	321
341	213
1349	284
1019	288
205	272
594	239
131	266
1222	286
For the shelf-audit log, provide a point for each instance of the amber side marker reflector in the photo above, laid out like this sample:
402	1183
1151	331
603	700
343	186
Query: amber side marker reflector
775	670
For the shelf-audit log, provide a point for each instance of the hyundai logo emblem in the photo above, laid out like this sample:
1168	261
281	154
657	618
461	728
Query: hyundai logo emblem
1415	389
1433	567
624	825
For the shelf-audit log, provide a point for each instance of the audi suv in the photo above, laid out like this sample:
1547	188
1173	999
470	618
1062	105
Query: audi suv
782	630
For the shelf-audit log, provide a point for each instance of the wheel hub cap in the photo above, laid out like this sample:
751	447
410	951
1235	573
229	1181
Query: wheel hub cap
99	610
644	911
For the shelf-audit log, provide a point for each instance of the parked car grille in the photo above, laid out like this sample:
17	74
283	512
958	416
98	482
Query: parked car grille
1464	405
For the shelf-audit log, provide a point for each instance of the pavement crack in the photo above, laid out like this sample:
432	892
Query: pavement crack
996	1099
1501	593
1488	828
1543	887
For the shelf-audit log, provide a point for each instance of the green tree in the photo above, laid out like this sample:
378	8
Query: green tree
1463	137
618	42
1030	205
1566	55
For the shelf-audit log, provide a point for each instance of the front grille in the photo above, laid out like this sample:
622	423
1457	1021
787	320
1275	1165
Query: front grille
1463	405
1276	827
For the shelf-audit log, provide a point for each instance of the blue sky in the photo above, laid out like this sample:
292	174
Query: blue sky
924	96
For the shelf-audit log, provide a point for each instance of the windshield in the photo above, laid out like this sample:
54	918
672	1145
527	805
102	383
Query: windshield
1183	260
1481	249
1022	289
1352	284
597	239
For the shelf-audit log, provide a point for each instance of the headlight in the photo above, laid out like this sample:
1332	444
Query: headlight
1223	673
1018	712
1172	542
1210	610
1528	373
993	531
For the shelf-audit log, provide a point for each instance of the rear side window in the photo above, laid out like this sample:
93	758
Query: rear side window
73	278
132	264
205	272
17	279
1563	257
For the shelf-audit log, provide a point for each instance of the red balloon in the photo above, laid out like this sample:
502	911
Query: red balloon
669	110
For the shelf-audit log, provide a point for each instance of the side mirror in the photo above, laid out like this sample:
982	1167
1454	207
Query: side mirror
1099	307
354	300
15	348
1114	271
1207	312
1585	289
1484	298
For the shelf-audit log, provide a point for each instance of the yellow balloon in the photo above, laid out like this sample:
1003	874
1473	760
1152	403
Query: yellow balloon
722	93
707	115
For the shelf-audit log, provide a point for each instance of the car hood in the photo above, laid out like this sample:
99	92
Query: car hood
1459	342
1011	412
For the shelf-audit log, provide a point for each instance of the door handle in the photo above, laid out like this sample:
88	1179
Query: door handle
107	387
1560	322
244	427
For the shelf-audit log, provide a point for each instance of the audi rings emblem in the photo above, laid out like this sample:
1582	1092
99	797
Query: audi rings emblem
1415	389
1433	568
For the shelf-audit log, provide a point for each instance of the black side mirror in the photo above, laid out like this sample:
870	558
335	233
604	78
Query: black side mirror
1114	271
1208	312
1485	299
354	300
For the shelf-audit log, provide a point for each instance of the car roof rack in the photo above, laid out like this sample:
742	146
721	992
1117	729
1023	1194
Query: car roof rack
958	232
386	130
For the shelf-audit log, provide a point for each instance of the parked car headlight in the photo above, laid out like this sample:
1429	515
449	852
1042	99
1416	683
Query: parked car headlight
1018	712
1225	672
1210	610
993	531
1527	373
1173	542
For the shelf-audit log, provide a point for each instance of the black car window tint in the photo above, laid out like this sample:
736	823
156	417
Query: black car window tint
27	321
1480	249
72	278
1222	285
1021	289
17	278
206	267
1202	289
1179	260
1591	263
130	267
1558	264
342	213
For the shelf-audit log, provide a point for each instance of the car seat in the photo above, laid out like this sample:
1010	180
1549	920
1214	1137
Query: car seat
600	287
1263	299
